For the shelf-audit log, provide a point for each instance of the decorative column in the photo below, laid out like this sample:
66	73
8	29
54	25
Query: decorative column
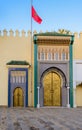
35	72
71	71
38	105
68	104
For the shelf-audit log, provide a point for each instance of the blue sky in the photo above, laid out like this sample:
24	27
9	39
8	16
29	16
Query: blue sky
56	14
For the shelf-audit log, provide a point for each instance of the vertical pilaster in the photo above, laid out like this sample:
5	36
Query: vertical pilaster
71	72
26	104
38	103
35	74
9	99
68	103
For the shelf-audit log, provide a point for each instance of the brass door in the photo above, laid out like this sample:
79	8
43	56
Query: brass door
18	98
52	89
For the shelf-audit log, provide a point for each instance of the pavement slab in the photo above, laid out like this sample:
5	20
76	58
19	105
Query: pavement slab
40	119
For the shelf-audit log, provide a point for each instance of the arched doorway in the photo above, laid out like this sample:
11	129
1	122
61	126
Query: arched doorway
52	89
18	97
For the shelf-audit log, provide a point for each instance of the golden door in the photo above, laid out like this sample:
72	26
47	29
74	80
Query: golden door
18	98
52	89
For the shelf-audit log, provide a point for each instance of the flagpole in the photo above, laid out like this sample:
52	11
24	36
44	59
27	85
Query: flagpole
31	50
35	16
31	18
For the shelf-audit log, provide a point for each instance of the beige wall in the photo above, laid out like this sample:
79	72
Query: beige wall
79	95
13	48
77	46
77	69
16	47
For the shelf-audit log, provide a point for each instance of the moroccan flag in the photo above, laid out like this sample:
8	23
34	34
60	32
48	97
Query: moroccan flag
35	16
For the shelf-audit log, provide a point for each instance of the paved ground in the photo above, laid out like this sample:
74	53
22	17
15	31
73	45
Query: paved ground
40	119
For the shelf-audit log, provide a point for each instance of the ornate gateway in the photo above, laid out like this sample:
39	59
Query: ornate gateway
53	69
18	87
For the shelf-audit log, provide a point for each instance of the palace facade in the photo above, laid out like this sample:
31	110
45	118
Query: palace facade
40	70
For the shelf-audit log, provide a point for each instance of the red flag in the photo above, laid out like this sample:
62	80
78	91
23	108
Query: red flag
35	16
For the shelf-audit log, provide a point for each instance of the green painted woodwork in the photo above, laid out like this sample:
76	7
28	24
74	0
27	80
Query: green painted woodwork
51	34
35	75
18	63
71	71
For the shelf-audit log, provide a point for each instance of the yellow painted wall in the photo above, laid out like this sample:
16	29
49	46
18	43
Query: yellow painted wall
79	95
77	68
77	46
14	48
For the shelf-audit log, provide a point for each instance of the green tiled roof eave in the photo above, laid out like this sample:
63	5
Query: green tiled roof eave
52	34
17	63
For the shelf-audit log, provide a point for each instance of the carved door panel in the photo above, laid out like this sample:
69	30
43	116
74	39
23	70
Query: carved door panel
18	98
47	89
52	89
57	90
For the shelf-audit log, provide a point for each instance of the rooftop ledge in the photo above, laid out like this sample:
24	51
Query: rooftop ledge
22	63
53	36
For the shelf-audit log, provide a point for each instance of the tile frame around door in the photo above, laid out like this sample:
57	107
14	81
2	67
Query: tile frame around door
9	85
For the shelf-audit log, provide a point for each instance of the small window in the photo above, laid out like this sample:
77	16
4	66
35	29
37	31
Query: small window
49	56
63	56
42	56
19	79
56	56
23	79
13	79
